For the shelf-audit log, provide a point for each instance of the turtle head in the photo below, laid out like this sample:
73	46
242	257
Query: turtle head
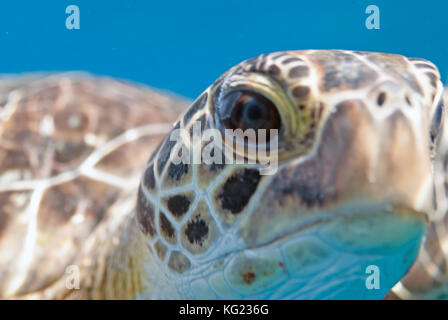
331	201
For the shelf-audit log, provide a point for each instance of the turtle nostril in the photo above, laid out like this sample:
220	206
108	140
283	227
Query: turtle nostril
408	100
381	98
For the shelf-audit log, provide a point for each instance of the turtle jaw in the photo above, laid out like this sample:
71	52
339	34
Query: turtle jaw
331	259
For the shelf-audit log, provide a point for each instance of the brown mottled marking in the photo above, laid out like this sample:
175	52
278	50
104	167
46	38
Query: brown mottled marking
71	122
274	70
209	172
248	277
339	70
176	171
68	152
149	180
179	204
164	154
160	249
167	229
312	181
177	174
196	230
298	72
178	262
145	214
238	189
301	92
200	231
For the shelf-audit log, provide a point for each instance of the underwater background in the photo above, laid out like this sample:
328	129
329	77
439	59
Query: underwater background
183	46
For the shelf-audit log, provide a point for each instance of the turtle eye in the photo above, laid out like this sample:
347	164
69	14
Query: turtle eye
245	109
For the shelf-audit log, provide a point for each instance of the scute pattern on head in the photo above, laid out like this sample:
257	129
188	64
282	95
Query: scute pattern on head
235	193
183	215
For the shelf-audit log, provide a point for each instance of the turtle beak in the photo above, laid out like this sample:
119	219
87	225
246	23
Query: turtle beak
364	159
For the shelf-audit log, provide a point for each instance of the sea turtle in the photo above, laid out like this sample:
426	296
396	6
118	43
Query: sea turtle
359	193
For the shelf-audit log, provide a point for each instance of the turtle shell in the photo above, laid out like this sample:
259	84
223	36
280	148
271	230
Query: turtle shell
72	146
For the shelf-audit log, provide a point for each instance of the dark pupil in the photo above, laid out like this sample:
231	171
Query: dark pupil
251	110
254	112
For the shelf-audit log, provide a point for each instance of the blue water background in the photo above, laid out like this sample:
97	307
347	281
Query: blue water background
183	46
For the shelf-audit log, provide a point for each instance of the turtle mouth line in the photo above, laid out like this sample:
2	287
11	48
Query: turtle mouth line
348	214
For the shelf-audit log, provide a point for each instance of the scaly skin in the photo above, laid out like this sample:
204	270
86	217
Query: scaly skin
353	189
